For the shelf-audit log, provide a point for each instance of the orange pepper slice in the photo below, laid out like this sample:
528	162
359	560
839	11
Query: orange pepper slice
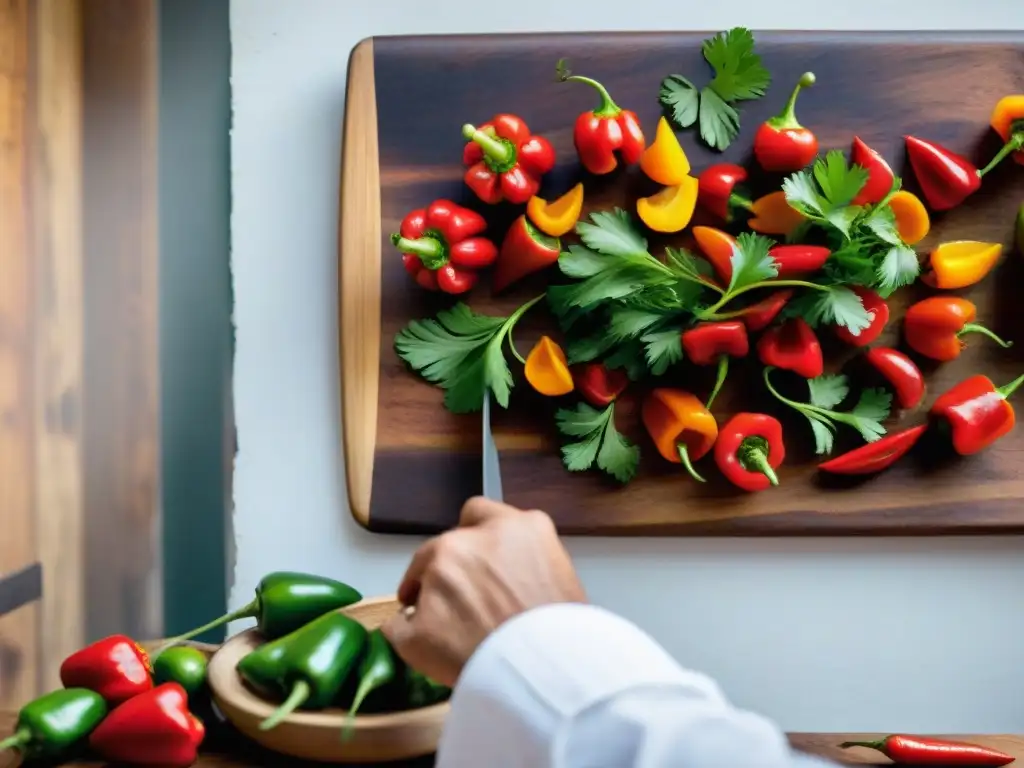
773	215
671	209
1006	112
664	161
559	216
961	263
547	369
912	222
717	247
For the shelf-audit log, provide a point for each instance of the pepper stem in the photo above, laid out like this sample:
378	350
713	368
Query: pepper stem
684	456
975	328
1015	143
755	458
248	611
427	248
300	692
499	152
723	371
787	117
608	107
17	740
739	201
1008	389
879	745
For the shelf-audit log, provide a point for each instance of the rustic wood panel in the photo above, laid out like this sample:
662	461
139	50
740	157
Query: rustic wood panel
876	85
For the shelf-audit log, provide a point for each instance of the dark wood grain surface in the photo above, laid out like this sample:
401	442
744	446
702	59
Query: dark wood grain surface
879	86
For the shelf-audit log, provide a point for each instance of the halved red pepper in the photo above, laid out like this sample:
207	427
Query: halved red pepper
781	143
716	189
880	175
716	342
874	457
441	248
796	260
116	668
901	373
598	384
524	250
946	178
976	412
934	327
792	346
506	161
759	316
153	728
749	449
877	309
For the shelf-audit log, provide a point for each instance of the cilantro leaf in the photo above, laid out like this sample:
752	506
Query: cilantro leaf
600	442
680	96
881	222
751	261
838	305
899	267
689	267
580	262
839	181
630	357
613	233
824	194
828	390
719	121
871	409
628	322
824	433
663	349
739	74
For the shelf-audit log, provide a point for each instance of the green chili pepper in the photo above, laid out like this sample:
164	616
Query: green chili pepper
307	667
284	602
378	669
421	691
53	724
185	666
1019	230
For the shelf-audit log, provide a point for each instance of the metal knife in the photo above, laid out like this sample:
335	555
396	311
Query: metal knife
20	588
491	467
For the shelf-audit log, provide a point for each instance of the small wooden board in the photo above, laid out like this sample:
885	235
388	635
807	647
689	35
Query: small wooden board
411	464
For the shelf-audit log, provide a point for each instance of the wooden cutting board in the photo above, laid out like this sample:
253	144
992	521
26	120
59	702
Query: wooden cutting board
411	464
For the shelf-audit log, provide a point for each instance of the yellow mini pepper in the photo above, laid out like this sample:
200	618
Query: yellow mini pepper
671	209
664	161
547	369
559	216
960	263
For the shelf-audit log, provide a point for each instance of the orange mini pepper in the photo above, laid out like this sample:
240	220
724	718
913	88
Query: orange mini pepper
960	263
933	327
912	221
664	161
547	369
1008	121
718	248
559	216
773	215
682	428
671	209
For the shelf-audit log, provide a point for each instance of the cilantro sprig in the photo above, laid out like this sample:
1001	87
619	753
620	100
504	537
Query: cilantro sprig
596	441
825	393
739	76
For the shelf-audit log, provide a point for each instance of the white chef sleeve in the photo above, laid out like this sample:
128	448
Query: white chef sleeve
575	686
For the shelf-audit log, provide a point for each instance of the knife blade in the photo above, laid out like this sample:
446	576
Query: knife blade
491	465
21	587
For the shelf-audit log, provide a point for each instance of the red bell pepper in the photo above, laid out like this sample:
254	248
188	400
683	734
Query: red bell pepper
716	342
781	143
506	162
792	346
602	132
877	309
946	178
441	248
524	250
598	384
749	450
798	260
716	189
759	316
976	412
154	728
876	456
934	327
901	373
116	668
926	750
880	175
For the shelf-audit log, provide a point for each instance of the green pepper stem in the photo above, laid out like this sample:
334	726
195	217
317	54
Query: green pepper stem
740	201
248	611
1008	389
496	150
787	117
879	745
424	247
1015	143
512	347
300	692
684	456
975	328
723	371
17	740
759	459
608	107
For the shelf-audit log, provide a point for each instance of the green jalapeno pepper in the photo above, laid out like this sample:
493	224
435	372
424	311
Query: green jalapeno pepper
378	669
55	723
183	665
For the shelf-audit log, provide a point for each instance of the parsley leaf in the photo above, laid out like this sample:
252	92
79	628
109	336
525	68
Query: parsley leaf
839	181
881	222
824	193
838	305
828	390
689	267
599	442
628	322
899	267
613	234
751	261
739	73
719	121
872	408
663	349
580	262
682	98
630	357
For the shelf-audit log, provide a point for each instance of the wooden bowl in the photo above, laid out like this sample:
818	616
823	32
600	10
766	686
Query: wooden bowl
317	735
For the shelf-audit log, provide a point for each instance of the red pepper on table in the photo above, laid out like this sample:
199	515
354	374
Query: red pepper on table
877	309
598	384
759	316
441	248
926	750
716	342
880	175
524	250
874	457
781	143
901	373
792	346
716	189
749	450
977	412
933	327
796	260
154	728
116	668
946	178
506	162
602	132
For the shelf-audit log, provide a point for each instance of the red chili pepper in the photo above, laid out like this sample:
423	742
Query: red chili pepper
977	412
154	728
925	750
116	668
933	327
901	372
880	175
781	143
877	309
792	346
440	247
505	161
749	450
716	187
716	342
946	178
599	385
876	456
759	316
524	250
797	260
602	132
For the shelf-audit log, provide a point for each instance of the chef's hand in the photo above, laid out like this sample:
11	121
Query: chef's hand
463	584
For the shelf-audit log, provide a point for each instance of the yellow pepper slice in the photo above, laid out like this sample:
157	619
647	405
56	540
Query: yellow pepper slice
912	222
773	215
559	216
960	263
547	369
664	161
671	209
